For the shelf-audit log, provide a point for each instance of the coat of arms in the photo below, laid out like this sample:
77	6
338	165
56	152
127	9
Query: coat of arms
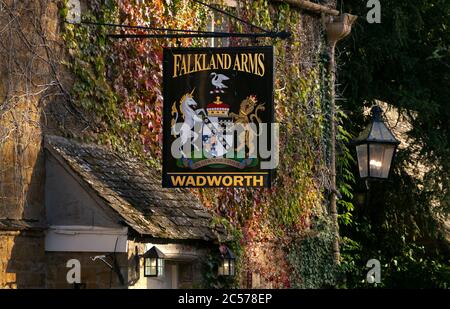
218	127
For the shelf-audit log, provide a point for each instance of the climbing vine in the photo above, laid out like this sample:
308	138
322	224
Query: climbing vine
280	228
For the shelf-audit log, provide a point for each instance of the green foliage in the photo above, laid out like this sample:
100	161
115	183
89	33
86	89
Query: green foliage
404	61
312	259
400	230
345	177
90	56
88	50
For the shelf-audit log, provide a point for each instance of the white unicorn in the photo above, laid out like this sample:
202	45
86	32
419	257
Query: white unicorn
187	104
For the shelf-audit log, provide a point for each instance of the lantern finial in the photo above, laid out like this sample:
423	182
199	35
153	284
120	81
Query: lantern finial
377	113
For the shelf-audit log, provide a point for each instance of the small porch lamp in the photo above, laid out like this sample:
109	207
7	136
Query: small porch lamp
227	264
153	262
375	148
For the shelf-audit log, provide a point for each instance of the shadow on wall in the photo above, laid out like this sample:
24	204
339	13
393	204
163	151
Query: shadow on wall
135	266
94	274
24	255
22	223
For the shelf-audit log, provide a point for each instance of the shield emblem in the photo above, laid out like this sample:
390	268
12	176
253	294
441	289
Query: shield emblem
217	136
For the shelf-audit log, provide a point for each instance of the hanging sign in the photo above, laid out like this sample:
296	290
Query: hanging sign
218	126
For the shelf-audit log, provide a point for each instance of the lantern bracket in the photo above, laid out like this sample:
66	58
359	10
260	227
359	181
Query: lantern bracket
114	267
338	194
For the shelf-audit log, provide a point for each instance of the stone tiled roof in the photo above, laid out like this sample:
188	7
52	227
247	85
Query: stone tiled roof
133	190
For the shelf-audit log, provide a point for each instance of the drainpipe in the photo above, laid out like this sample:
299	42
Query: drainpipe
337	27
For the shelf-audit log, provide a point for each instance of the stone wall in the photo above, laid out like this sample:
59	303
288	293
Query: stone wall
31	79
25	81
22	260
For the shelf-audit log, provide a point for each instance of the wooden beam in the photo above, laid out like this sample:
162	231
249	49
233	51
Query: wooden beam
309	6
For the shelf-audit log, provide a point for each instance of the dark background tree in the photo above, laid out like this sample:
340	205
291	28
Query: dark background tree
405	62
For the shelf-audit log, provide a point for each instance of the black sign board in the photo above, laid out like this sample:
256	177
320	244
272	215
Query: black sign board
218	117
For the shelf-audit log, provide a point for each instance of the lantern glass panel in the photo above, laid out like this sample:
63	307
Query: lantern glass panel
380	159
160	267
232	268
226	267
361	151
154	267
150	267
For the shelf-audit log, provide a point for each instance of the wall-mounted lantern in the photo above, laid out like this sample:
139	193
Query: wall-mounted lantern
153	263
227	263
375	148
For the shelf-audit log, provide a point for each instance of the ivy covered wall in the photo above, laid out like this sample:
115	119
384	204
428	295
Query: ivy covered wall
282	234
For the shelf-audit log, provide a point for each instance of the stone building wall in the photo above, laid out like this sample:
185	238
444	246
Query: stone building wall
22	259
29	81
25	82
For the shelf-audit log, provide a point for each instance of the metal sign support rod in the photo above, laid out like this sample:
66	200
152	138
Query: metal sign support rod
281	35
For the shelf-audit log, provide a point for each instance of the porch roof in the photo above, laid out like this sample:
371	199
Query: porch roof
133	190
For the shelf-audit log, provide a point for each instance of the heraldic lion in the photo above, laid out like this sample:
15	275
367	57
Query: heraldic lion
248	113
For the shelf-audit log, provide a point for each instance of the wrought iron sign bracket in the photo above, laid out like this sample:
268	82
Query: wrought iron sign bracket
280	35
181	33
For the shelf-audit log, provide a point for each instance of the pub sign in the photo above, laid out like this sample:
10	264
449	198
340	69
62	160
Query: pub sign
218	128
